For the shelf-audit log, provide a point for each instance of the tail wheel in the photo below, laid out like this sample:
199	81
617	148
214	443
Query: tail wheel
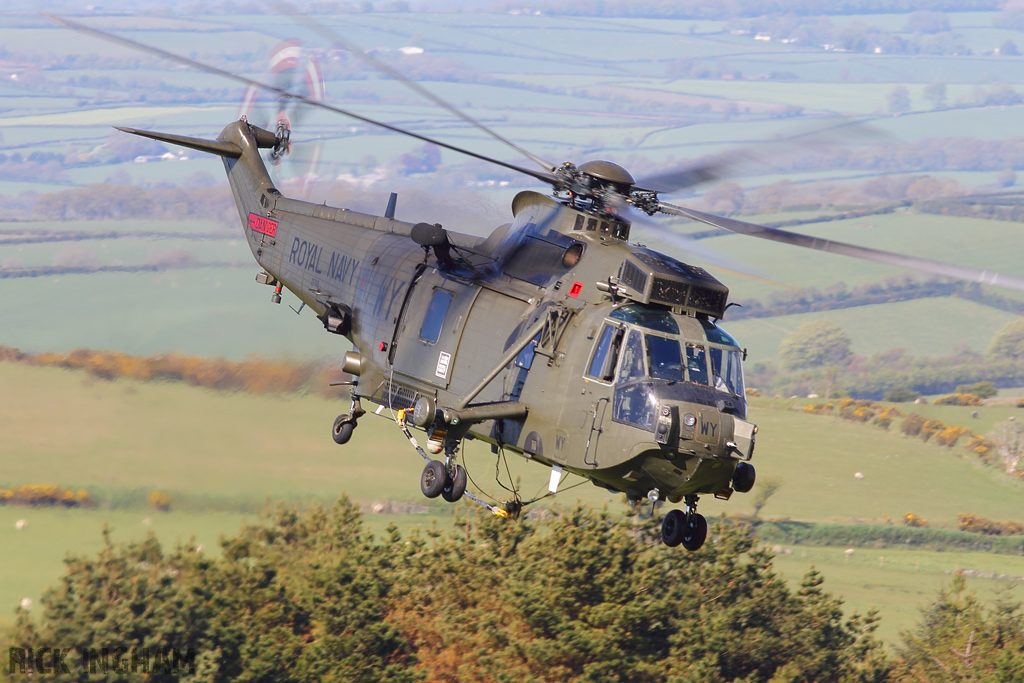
673	528
432	481
695	532
343	428
454	485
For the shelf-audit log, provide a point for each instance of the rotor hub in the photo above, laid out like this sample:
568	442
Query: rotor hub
608	172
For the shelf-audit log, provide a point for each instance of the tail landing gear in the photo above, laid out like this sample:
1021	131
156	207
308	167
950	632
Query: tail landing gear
345	424
688	528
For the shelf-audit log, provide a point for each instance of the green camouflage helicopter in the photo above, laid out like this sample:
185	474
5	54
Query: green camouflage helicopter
555	337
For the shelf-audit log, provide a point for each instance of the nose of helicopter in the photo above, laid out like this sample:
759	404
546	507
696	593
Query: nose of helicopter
704	431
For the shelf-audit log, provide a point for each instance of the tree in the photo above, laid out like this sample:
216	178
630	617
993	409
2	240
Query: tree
901	394
766	488
936	94
310	596
898	100
980	389
960	640
1009	439
813	344
925	21
1008	344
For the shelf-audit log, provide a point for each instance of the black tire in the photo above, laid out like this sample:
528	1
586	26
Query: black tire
454	485
673	528
433	479
743	477
696	532
343	428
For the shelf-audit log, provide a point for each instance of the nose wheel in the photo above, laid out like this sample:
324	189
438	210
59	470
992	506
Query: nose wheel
688	528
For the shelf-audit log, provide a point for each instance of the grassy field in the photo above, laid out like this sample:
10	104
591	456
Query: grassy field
940	326
221	456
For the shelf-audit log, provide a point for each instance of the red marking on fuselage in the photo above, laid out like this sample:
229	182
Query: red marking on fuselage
266	226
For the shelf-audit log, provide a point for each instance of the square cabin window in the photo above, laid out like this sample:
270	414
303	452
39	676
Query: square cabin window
433	321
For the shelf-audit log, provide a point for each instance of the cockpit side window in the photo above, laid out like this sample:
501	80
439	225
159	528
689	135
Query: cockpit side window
663	358
696	364
632	364
606	353
727	370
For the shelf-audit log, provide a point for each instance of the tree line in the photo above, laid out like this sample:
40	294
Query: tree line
587	596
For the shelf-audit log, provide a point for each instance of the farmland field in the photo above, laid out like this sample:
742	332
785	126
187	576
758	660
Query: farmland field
222	456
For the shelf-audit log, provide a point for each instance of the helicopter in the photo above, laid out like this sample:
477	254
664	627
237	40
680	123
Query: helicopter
555	337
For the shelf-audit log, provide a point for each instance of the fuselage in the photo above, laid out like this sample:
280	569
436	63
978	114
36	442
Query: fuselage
631	384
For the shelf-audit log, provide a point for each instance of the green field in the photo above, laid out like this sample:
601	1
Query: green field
222	456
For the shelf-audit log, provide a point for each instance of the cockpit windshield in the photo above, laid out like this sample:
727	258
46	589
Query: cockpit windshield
652	318
625	353
663	359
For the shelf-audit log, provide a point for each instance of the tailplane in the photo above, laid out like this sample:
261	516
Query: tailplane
264	139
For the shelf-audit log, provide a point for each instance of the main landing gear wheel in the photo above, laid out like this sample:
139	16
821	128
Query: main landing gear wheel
743	477
454	485
695	531
673	528
433	479
344	425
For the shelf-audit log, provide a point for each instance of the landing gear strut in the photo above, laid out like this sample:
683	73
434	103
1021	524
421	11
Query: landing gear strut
346	423
688	528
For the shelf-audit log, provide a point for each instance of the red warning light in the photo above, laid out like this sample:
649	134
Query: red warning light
575	290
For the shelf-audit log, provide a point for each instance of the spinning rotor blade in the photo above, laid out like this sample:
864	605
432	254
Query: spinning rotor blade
354	50
866	253
157	52
761	156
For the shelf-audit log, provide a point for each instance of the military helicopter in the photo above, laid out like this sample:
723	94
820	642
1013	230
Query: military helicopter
555	337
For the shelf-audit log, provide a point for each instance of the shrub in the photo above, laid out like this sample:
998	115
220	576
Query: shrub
159	500
912	424
979	389
910	519
901	394
930	427
958	400
950	435
989	527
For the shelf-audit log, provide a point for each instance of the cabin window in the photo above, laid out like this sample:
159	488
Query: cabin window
696	364
525	358
606	353
433	321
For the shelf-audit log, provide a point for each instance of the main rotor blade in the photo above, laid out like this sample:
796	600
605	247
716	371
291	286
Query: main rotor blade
866	253
127	42
335	38
684	177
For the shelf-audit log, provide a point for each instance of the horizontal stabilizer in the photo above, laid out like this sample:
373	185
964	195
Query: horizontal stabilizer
224	149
